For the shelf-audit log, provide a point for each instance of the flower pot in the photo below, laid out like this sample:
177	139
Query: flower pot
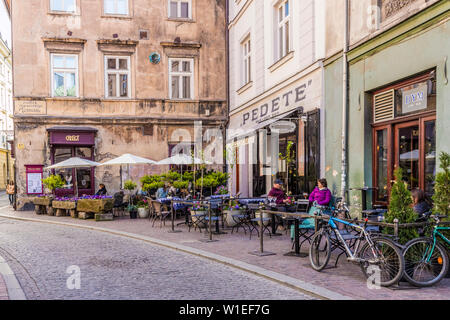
229	216
133	214
143	212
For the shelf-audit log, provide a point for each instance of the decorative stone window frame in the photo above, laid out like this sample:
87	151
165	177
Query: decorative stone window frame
129	15
119	48
179	18
183	50
68	46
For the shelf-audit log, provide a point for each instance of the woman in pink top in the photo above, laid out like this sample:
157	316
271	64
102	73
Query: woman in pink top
321	194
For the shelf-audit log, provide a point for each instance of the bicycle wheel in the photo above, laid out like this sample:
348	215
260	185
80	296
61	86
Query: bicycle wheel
420	271
387	257
320	251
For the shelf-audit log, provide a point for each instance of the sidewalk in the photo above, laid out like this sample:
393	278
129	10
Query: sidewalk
233	249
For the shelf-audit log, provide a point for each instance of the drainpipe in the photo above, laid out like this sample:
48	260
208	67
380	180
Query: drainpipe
227	53
344	164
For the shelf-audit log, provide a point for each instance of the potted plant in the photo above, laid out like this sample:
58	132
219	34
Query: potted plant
142	208
132	209
221	190
232	209
51	183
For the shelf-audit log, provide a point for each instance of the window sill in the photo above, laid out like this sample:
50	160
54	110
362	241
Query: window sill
188	20
63	98
63	13
281	61
180	100
245	87
117	16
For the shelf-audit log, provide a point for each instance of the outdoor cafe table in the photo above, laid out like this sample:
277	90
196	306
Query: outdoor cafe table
174	205
296	216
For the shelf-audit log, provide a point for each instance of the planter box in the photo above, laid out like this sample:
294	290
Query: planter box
67	205
95	205
42	201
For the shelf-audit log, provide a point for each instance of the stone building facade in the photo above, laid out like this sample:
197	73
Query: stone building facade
97	79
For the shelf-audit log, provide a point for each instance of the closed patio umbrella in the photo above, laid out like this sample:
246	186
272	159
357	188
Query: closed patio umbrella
74	163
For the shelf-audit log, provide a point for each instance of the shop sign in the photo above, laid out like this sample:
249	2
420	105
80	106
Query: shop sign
415	99
34	179
80	138
280	104
30	107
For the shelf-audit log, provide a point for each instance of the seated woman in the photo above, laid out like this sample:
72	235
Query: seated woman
320	195
421	204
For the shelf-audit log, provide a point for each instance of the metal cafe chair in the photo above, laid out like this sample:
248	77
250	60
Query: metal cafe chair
160	211
254	221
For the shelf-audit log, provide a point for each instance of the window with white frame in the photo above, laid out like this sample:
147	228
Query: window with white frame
64	75
116	7
282	14
246	61
63	5
180	9
181	78
117	77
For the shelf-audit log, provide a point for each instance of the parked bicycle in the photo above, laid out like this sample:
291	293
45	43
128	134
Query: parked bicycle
368	250
426	260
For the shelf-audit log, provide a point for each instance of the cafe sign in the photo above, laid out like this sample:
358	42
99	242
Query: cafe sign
415	99
303	95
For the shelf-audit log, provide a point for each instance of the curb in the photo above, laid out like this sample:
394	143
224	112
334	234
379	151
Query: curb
317	291
13	287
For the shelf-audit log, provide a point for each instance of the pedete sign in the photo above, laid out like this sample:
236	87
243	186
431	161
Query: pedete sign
34	179
31	106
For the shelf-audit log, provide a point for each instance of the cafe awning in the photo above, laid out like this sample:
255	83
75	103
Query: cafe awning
242	131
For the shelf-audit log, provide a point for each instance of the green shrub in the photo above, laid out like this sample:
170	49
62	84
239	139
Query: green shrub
400	207
441	197
181	184
53	182
188	176
170	176
152	186
129	185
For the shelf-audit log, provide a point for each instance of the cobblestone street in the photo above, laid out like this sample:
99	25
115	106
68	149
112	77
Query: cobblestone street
114	267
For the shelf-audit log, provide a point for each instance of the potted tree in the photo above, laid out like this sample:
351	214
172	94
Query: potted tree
132	209
51	183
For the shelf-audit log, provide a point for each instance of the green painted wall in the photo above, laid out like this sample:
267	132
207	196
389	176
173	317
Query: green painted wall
412	55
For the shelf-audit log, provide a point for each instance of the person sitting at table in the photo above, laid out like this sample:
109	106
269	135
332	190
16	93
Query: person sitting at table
321	195
421	203
172	191
102	190
278	192
161	193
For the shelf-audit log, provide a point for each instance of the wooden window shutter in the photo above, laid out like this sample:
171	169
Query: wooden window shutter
383	106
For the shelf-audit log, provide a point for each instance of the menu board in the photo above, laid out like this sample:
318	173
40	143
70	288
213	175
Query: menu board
34	183
34	179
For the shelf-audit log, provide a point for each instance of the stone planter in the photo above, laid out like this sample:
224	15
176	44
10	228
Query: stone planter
143	212
95	205
63	208
43	205
229	216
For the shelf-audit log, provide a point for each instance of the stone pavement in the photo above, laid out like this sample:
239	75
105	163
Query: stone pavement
3	290
347	279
